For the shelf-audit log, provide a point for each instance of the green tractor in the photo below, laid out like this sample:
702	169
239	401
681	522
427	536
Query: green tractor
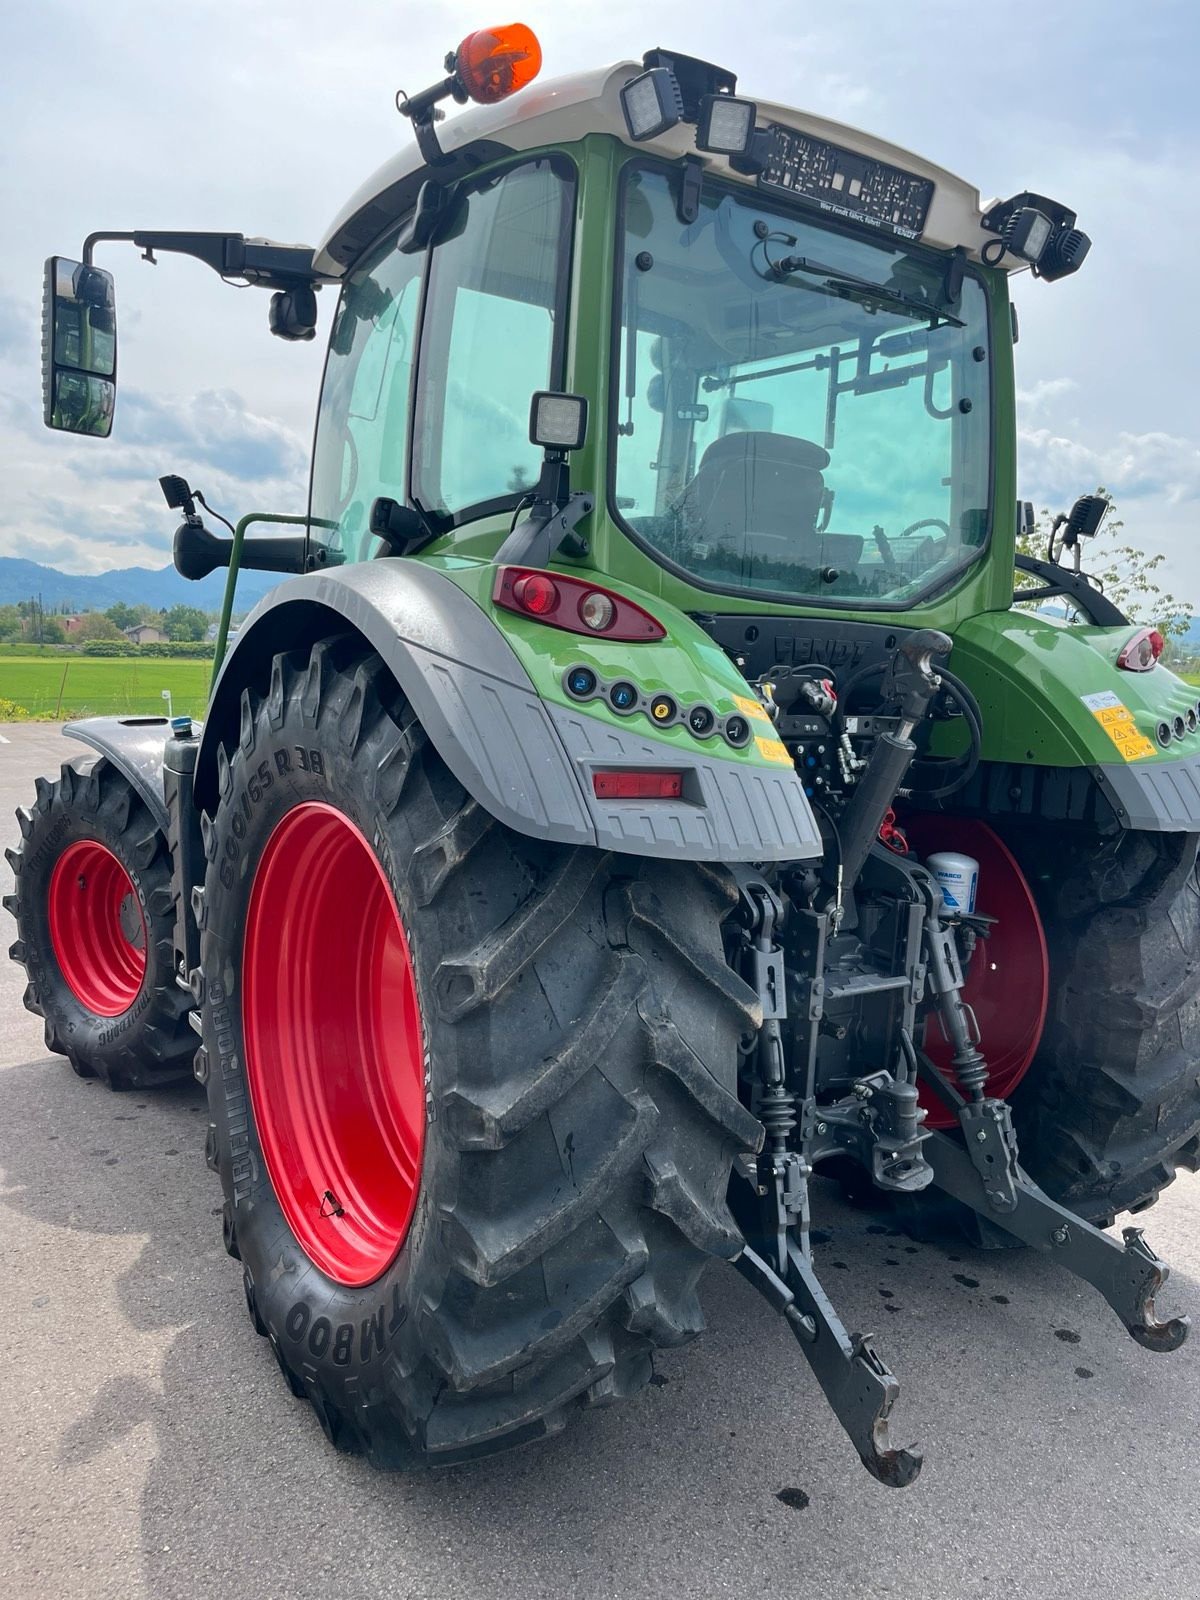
643	793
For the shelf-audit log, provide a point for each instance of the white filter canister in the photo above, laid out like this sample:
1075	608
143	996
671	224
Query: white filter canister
958	876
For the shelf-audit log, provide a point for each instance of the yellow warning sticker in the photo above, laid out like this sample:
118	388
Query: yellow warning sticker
751	708
773	750
1115	717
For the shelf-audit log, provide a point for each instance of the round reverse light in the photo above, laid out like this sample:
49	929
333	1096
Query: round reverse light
597	611
622	697
581	682
536	594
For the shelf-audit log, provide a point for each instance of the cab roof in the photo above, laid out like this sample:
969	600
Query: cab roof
563	110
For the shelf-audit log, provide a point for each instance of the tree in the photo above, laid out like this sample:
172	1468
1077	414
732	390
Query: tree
10	622
96	625
1128	576
185	622
50	631
126	616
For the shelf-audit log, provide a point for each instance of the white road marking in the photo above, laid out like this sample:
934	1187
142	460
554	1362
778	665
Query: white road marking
3	740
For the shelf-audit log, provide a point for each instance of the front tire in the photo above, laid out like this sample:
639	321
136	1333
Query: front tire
578	1110
95	929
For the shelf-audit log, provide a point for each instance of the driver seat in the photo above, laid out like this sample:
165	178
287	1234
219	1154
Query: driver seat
768	483
763	492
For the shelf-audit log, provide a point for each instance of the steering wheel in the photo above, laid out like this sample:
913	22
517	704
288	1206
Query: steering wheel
925	522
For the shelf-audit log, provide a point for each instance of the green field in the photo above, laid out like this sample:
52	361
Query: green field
35	686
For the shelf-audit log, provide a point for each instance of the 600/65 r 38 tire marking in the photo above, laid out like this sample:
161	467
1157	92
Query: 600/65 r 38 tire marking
580	1029
334	1048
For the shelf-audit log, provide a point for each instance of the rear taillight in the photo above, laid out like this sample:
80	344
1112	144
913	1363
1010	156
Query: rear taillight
572	604
638	785
1141	652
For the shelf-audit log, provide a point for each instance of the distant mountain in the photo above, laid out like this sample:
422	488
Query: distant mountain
161	588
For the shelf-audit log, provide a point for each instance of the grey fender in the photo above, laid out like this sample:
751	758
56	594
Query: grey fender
526	762
135	747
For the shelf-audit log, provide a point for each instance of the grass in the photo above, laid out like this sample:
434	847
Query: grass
34	686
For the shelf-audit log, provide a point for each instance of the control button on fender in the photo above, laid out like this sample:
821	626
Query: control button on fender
581	682
623	697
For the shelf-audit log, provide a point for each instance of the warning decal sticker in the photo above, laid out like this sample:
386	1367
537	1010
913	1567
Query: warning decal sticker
773	750
1117	721
751	708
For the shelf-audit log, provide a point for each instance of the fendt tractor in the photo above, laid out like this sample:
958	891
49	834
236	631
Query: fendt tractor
641	792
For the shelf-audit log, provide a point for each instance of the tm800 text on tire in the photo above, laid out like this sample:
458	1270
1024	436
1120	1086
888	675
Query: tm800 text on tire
473	1095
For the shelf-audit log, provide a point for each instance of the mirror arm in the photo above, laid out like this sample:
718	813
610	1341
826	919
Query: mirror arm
230	255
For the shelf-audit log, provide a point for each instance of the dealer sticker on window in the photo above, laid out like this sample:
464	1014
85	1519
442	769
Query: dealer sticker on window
1117	721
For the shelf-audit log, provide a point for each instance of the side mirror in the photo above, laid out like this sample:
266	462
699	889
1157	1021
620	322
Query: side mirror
79	348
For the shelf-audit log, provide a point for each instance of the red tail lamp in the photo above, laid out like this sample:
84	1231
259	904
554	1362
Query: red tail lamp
493	63
1142	651
638	785
574	605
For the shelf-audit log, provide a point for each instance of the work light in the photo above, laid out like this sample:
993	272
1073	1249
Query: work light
1037	230
726	125
557	421
652	103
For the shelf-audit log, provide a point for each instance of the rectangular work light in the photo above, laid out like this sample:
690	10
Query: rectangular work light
652	103
557	421
726	125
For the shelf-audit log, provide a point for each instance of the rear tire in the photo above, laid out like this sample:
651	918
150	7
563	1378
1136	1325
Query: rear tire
105	987
1110	1106
581	1029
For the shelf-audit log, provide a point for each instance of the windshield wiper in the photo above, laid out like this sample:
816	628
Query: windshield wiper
843	282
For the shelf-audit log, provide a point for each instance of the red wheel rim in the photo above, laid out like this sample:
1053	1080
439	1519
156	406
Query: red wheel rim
335	1052
1008	984
97	928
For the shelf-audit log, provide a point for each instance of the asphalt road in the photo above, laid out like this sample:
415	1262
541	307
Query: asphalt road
150	1447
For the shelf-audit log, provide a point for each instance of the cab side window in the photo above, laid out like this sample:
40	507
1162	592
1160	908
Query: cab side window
362	426
493	334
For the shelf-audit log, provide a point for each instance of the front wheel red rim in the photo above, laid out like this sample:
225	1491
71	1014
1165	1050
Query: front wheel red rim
97	928
335	1053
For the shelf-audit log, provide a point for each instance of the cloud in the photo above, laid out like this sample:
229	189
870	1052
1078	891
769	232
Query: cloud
1054	467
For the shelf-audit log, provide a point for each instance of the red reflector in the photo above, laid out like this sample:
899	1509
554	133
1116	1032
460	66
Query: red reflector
638	785
536	594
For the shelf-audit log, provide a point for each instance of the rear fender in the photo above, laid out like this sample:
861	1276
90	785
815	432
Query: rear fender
522	759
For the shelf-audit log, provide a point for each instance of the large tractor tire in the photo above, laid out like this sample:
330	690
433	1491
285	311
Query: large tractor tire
1110	1106
95	929
473	1095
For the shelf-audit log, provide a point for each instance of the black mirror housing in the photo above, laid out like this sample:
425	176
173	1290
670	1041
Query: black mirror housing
293	313
79	348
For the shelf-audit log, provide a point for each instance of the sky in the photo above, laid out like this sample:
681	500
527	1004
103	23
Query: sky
263	117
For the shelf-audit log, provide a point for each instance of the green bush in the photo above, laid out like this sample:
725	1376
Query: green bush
191	650
108	647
